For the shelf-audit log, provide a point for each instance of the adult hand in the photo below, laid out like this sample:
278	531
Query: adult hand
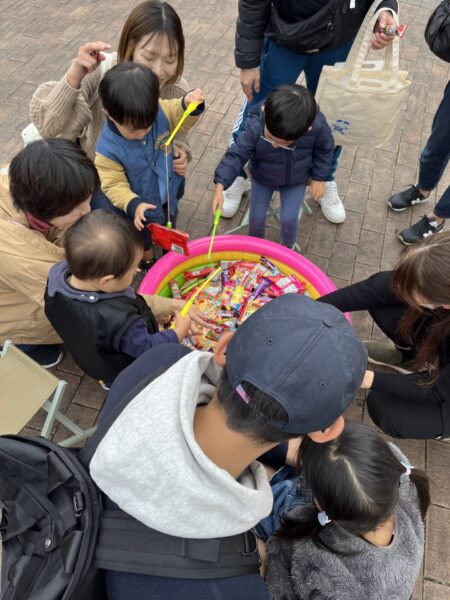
196	315
87	60
250	81
381	40
316	189
139	215
180	161
217	201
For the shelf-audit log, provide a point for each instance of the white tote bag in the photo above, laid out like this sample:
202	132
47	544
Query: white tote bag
31	133
361	99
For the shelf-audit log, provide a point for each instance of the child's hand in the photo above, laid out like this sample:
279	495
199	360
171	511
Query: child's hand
316	189
180	161
182	325
194	96
217	201
139	215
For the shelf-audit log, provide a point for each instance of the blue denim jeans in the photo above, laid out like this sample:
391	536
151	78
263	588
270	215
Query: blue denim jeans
435	155
289	490
291	200
280	66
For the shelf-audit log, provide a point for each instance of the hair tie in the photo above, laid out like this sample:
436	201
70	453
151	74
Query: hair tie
323	518
408	467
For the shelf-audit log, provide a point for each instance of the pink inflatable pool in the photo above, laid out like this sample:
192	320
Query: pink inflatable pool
235	247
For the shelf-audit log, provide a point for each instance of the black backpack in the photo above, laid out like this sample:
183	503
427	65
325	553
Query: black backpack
57	539
437	31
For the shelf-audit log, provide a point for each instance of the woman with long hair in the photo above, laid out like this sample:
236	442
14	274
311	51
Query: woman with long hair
411	305
362	534
71	107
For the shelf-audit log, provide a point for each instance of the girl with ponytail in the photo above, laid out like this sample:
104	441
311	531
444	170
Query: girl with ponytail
362	535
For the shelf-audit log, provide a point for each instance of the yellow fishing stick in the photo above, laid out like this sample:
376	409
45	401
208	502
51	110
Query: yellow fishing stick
187	307
190	109
213	234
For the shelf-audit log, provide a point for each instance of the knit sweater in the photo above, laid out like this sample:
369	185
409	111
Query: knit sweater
59	110
301	570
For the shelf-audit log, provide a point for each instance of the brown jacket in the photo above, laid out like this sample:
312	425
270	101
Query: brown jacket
26	257
59	110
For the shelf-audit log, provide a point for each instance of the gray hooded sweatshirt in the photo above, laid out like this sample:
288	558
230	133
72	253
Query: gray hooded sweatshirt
150	464
300	570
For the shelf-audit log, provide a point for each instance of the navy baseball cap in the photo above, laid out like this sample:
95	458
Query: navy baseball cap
302	353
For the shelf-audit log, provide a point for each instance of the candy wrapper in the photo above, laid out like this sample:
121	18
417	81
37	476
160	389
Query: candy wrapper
239	290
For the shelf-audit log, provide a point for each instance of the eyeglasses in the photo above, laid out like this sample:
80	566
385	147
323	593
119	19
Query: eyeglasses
276	144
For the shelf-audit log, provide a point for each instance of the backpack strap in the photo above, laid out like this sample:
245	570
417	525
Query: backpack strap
127	545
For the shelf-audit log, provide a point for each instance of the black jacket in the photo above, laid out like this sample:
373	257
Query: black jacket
299	25
92	332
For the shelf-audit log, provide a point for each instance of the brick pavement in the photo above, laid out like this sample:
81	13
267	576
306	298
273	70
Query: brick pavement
39	38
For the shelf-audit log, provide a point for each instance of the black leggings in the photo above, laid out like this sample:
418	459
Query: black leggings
399	404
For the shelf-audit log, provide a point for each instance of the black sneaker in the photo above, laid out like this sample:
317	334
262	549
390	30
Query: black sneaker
420	230
407	198
47	356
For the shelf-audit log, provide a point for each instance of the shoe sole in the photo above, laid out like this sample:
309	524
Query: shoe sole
395	367
402	209
53	364
406	243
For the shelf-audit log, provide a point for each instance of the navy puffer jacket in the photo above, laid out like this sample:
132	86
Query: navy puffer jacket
311	157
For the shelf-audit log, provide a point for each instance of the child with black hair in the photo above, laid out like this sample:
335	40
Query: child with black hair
92	306
361	535
287	142
135	166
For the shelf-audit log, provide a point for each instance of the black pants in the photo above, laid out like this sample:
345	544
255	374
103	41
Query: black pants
403	406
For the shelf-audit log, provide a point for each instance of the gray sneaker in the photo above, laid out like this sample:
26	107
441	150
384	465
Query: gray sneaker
387	354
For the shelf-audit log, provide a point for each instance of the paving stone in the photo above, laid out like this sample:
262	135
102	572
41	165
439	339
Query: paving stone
342	261
435	591
369	248
349	231
438	467
437	565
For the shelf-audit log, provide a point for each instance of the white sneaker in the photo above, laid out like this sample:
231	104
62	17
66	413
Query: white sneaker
332	208
233	195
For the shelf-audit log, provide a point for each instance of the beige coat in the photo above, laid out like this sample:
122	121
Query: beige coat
59	110
26	257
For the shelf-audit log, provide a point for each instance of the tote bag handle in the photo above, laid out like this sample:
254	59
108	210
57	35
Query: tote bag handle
361	47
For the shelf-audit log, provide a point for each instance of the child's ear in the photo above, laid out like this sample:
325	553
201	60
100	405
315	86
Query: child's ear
103	281
330	433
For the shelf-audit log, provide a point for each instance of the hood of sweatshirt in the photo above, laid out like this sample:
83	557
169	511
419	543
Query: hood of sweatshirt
58	284
150	464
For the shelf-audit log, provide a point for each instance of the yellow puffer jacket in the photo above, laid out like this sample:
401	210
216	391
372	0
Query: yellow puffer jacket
26	257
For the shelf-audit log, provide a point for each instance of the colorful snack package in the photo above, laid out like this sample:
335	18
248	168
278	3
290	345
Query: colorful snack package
175	289
267	263
227	292
199	273
190	285
286	285
238	297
